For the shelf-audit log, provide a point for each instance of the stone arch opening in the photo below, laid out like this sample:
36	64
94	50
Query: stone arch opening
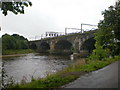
63	45
44	47
88	45
33	46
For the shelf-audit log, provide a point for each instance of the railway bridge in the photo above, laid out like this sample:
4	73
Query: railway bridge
66	44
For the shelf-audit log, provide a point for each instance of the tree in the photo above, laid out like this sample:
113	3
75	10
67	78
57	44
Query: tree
8	42
107	37
13	6
19	37
22	43
14	41
117	24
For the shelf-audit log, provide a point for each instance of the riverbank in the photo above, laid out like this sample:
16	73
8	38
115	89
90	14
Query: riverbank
67	75
13	55
18	51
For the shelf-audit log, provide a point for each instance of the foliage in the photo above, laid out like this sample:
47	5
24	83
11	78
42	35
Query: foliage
107	36
99	54
14	41
117	20
19	37
13	6
8	42
22	43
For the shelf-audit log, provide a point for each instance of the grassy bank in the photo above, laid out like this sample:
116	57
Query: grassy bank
18	51
67	75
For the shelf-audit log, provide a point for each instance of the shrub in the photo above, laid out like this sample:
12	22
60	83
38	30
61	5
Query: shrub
99	54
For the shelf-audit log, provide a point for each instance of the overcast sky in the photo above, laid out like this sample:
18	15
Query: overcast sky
54	15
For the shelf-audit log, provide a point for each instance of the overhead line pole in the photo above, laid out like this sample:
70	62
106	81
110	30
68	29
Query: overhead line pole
79	29
86	24
71	28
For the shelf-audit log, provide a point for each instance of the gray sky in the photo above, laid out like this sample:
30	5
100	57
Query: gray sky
54	15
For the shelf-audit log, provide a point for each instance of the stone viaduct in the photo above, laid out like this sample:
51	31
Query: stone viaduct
72	43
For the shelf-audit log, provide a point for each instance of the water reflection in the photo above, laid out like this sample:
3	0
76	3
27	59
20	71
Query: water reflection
35	65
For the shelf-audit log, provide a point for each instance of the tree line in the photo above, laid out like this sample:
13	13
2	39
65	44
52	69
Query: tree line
14	41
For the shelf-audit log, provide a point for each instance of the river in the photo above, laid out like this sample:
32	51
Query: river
36	65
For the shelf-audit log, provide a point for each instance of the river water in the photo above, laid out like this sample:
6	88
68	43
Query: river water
36	65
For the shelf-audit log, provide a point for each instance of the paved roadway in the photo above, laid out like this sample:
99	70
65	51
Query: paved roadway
103	78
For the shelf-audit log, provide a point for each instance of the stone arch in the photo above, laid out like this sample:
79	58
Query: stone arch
63	45
88	45
44	47
33	46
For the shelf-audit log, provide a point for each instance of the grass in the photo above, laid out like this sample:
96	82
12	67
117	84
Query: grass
18	51
67	75
50	81
90	65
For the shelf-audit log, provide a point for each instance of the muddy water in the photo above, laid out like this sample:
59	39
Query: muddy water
24	67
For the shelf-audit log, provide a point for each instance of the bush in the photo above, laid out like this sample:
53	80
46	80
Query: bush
99	54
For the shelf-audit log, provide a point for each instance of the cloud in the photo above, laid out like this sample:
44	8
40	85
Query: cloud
54	15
